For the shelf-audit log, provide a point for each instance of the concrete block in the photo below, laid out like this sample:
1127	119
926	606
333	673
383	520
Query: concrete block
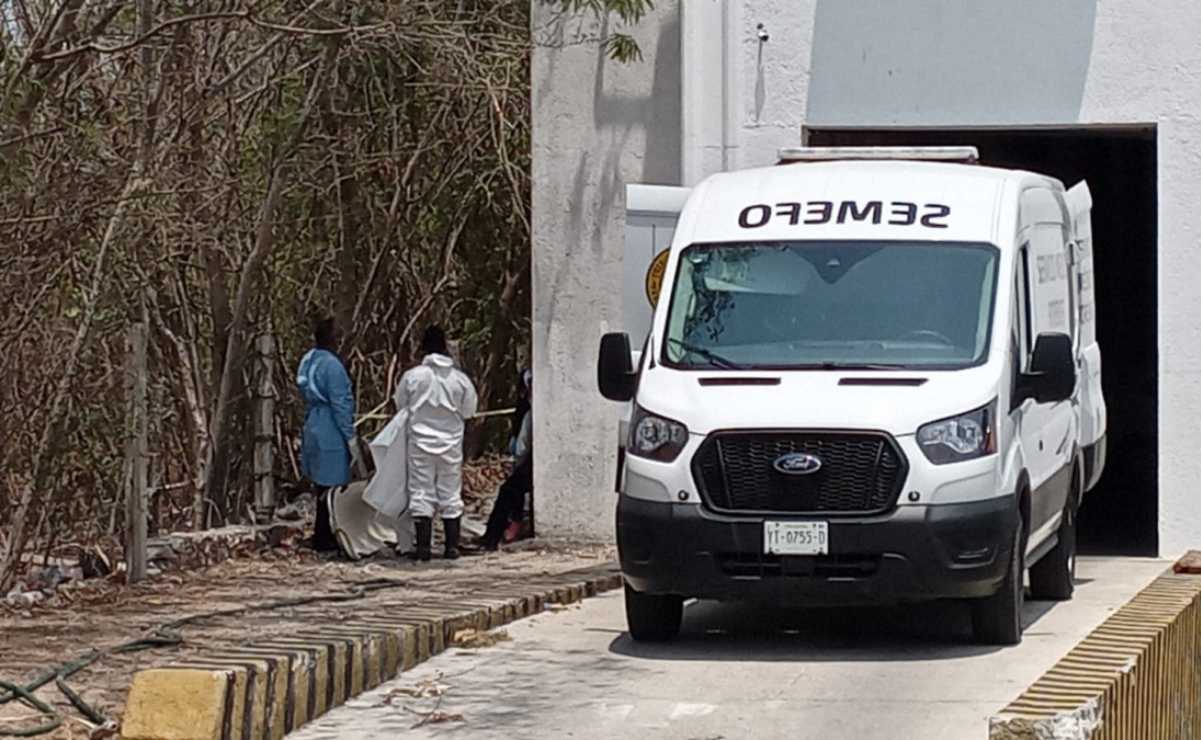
427	635
417	637
252	685
391	638
180	704
332	682
311	687
434	619
346	655
368	671
276	670
496	617
409	647
299	670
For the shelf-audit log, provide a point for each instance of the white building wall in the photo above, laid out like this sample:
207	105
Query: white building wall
597	125
833	63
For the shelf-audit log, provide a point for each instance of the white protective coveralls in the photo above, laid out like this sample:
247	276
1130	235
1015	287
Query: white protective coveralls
438	398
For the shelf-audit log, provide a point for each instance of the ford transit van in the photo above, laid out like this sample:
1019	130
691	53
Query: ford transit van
870	376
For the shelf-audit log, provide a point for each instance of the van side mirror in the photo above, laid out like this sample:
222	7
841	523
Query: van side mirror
615	369
1052	376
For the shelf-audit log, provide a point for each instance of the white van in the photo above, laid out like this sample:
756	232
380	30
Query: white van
870	376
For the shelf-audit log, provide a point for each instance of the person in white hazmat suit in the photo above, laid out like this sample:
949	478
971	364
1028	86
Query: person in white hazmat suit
438	398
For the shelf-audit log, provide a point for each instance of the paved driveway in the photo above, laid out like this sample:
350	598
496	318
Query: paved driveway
737	672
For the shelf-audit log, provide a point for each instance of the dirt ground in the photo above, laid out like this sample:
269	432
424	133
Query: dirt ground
103	614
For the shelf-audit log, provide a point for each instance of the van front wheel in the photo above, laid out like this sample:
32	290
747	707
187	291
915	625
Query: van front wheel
997	619
653	617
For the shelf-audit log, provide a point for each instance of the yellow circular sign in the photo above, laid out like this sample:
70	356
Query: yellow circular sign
654	276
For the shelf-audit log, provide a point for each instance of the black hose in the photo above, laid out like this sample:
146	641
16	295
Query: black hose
52	724
87	710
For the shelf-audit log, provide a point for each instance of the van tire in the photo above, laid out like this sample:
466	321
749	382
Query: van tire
653	617
1054	577
997	619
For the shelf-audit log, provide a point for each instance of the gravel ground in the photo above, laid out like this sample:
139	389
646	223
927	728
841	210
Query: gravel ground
103	614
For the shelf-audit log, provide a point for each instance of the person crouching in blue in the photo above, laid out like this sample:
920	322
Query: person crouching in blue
325	456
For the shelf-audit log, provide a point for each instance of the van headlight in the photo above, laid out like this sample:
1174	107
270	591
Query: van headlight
655	437
964	437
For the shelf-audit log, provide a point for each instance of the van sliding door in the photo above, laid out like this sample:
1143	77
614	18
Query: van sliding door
1048	443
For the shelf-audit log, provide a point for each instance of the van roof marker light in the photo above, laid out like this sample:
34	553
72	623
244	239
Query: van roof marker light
961	154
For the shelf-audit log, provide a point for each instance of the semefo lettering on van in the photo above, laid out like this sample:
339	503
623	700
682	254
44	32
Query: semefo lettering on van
816	212
1051	267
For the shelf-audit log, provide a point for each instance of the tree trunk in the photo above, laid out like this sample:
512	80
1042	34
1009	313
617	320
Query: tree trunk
137	455
264	430
216	482
217	478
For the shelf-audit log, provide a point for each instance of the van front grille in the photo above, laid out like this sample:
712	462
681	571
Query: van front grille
861	473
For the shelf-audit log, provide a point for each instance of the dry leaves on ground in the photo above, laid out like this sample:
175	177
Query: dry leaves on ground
472	638
437	717
427	689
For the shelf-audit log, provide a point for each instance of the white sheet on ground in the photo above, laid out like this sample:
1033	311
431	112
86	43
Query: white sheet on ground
366	516
360	529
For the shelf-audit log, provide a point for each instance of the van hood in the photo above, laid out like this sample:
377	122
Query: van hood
707	401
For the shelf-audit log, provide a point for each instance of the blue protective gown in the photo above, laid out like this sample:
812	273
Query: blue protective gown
328	418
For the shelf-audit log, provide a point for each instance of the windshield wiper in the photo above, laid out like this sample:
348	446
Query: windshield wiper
854	366
713	358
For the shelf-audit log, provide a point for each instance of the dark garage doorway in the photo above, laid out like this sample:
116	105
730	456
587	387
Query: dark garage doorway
1120	516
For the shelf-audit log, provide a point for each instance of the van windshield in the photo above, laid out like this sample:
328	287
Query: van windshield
831	305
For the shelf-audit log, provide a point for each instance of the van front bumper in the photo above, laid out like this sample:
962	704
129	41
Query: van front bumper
913	553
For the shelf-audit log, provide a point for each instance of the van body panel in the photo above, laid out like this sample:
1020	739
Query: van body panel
1091	400
818	399
1047	431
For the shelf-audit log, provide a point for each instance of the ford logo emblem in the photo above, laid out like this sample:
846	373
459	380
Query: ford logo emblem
797	463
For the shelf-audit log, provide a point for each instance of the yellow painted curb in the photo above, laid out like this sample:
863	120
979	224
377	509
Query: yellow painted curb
1135	677
266	688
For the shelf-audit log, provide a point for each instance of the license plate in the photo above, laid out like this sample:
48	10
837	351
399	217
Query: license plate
796	538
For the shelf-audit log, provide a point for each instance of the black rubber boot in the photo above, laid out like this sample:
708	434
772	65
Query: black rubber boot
451	526
425	534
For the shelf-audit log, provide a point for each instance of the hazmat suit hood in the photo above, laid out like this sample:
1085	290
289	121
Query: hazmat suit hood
305	380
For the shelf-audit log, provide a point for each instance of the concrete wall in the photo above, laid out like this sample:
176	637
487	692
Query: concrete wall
921	63
597	125
952	63
932	63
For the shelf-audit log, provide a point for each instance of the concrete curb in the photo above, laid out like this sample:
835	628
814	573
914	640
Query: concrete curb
1136	676
264	689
